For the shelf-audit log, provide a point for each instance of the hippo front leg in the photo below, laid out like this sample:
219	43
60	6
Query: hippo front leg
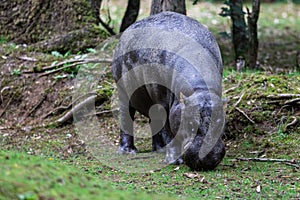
173	153
173	148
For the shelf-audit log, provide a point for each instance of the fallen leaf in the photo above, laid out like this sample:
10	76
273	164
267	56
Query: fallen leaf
176	169
258	189
191	175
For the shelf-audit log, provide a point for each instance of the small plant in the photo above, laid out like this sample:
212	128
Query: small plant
58	54
16	72
3	39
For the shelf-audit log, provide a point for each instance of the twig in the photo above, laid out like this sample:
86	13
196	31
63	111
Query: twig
295	120
239	100
101	112
55	110
75	64
285	161
34	108
76	108
238	109
75	61
3	89
141	157
27	58
293	101
276	96
232	88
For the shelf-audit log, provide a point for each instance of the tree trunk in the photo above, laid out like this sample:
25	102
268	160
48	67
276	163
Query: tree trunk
96	5
131	14
239	33
158	6
252	28
31	21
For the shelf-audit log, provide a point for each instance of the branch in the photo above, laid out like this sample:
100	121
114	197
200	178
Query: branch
293	101
232	88
76	108
239	100
292	162
12	96
34	108
74	63
279	96
238	109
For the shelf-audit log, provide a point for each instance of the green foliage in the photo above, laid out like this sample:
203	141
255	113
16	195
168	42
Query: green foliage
58	54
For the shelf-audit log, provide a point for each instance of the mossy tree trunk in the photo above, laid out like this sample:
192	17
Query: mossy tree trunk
50	25
158	6
239	32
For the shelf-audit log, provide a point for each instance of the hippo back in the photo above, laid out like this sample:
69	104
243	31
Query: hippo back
176	42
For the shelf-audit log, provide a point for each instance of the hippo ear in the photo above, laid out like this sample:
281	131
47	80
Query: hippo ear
182	98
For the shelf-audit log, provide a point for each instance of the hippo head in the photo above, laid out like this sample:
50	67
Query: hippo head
201	129
192	158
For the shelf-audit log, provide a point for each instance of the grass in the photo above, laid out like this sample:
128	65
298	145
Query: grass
33	177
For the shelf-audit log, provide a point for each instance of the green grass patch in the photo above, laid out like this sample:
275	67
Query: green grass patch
32	177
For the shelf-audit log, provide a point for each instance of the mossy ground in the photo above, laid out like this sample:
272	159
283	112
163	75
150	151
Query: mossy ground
43	160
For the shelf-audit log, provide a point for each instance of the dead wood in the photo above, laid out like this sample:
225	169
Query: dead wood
69	115
75	63
9	101
282	96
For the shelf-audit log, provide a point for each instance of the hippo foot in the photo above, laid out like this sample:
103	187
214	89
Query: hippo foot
127	150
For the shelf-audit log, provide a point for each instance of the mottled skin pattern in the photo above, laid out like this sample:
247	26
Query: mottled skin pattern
196	93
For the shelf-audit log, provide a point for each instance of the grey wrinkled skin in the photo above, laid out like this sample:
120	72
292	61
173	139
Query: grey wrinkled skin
160	76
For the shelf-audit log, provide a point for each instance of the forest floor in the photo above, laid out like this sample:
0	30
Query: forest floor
45	156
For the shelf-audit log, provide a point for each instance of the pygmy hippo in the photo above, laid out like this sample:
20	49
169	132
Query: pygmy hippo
168	67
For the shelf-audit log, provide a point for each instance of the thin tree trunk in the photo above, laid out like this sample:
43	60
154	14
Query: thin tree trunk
131	14
252	28
239	33
158	6
96	5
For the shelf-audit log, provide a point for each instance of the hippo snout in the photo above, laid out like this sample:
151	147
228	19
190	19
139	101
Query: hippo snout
209	162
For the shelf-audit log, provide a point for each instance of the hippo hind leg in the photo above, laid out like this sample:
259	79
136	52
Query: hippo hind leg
126	132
